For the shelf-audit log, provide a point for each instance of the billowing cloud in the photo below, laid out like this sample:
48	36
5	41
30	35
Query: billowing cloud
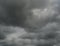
38	21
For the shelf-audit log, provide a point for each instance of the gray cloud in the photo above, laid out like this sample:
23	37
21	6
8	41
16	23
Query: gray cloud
39	19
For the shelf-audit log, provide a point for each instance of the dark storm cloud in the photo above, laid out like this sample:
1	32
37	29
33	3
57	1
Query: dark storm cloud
40	19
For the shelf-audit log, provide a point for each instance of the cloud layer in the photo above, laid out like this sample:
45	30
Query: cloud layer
29	23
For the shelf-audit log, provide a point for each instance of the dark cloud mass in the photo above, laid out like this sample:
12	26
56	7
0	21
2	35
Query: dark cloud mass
29	22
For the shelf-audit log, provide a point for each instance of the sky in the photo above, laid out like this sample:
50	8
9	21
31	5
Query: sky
29	23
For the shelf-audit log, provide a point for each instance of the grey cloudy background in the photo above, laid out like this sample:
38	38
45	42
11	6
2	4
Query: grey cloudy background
29	22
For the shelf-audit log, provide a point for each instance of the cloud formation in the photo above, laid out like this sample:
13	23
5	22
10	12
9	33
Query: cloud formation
29	23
